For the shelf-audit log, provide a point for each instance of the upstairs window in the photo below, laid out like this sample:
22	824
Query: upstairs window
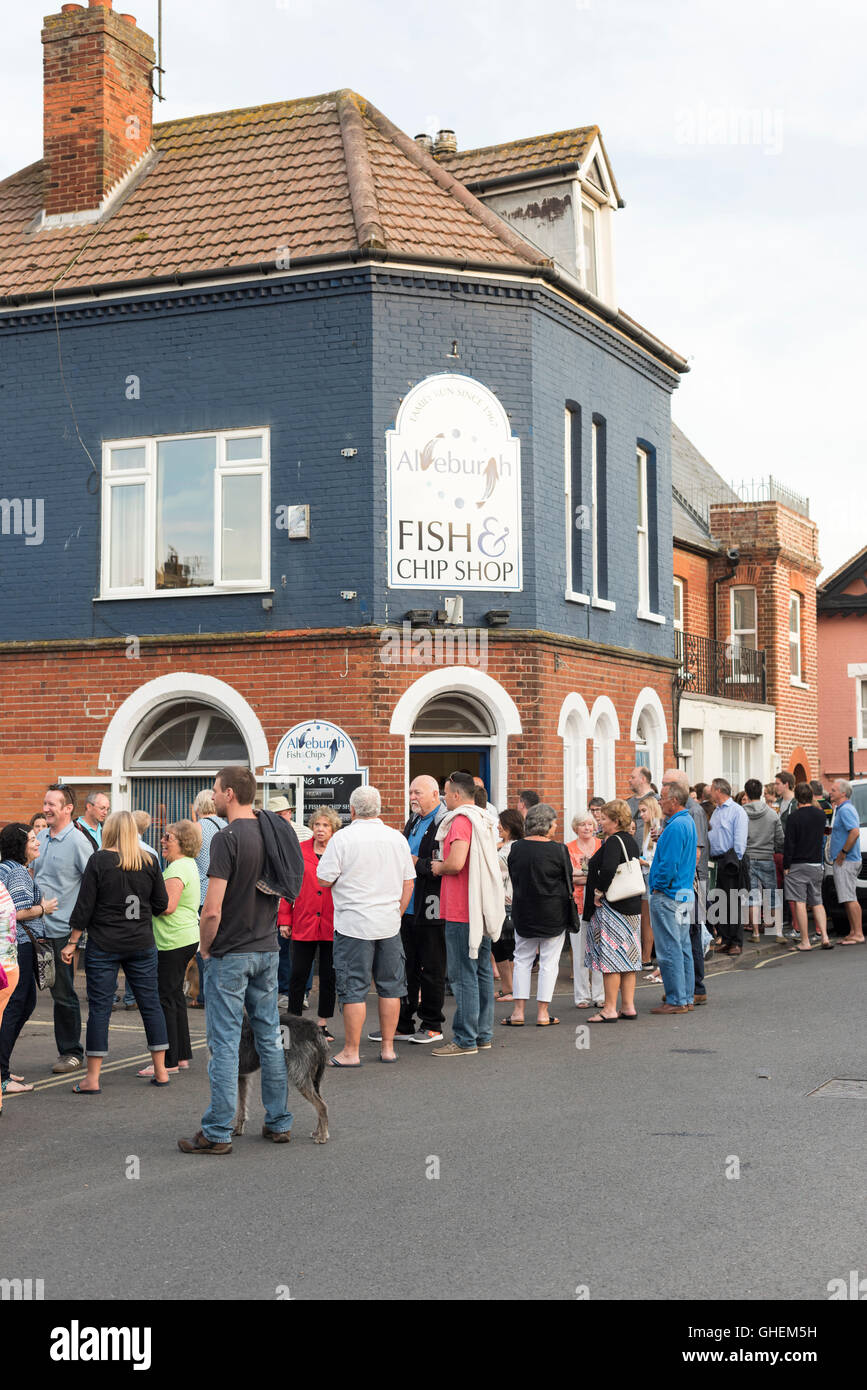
186	513
575	511
643	532
795	636
589	254
678	605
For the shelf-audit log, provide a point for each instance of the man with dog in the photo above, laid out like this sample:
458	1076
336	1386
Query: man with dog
238	942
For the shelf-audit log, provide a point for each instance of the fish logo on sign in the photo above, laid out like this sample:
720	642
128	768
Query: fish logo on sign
313	747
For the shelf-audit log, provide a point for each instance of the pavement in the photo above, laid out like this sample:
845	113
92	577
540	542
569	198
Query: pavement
672	1158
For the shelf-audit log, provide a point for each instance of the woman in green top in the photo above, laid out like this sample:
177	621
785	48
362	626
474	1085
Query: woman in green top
176	933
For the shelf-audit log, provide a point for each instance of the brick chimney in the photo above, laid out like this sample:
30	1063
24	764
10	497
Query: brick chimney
98	106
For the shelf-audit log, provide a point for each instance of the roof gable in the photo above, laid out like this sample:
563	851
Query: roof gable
849	582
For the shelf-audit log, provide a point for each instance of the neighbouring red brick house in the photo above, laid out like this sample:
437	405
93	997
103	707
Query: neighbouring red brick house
745	603
842	641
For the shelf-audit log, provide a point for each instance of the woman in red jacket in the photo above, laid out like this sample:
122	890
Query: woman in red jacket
310	922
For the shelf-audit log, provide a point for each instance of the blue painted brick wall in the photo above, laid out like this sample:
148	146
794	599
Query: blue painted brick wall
324	365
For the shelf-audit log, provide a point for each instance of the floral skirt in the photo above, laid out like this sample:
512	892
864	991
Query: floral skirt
613	942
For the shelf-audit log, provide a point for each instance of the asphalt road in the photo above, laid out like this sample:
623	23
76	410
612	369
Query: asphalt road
559	1166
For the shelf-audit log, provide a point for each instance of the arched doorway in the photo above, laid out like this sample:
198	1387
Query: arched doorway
451	732
474	723
799	765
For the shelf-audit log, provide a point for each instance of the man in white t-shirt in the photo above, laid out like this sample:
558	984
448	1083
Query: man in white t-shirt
369	869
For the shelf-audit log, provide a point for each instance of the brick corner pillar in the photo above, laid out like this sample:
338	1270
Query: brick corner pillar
98	104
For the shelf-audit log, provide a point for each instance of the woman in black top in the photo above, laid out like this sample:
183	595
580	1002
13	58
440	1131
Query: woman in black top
542	911
121	890
614	932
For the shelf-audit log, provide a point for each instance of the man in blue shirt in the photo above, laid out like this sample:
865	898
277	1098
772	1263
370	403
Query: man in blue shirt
728	846
422	930
96	808
672	900
845	855
63	856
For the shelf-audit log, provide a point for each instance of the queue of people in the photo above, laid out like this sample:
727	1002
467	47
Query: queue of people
461	889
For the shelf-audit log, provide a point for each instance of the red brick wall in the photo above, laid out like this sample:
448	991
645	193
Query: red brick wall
58	702
779	553
842	640
97	104
694	570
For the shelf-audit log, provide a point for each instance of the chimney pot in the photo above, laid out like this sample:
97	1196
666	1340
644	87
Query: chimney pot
70	9
445	142
426	142
100	4
130	18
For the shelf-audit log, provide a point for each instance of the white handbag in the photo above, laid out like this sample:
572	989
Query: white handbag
628	880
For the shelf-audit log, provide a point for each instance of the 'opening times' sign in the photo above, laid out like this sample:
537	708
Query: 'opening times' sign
454	490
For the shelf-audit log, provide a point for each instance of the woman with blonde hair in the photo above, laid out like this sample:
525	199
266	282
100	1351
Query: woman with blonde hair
648	827
176	932
587	984
614	932
121	891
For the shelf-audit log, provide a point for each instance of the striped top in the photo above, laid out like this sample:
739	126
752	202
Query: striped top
24	894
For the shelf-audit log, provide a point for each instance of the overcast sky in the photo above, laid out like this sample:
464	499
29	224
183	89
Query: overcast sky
736	132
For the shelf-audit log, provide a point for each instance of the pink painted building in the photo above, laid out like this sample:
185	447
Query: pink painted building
841	610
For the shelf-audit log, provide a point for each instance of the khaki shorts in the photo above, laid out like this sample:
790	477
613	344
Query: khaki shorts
803	884
845	877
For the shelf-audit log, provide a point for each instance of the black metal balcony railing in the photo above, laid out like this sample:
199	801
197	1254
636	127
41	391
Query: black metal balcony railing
725	669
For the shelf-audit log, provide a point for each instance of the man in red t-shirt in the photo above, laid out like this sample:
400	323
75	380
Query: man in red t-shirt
471	980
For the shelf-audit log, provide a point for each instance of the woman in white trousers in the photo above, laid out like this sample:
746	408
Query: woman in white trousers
543	909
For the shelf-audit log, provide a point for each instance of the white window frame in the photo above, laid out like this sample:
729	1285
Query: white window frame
679	598
795	677
737	634
744	746
642	531
597	602
588	206
147	476
862	710
572	593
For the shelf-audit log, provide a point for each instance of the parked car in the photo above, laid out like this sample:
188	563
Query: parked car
829	897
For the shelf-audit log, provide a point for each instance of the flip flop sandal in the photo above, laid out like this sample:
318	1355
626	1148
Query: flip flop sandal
827	945
387	1059
628	1017
510	1023
154	1082
600	1018
77	1091
549	1024
14	1088
347	1066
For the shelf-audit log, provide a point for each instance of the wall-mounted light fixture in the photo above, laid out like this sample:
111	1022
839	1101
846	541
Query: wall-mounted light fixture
419	617
497	617
454	352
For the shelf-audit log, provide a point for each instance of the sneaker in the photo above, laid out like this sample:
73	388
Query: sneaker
306	1004
452	1050
130	1006
65	1064
426	1035
484	1047
200	1145
282	1001
398	1037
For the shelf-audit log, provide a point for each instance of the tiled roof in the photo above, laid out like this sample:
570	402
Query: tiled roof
321	176
695	486
521	156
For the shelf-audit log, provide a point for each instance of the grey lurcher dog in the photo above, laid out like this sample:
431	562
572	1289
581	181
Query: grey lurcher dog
306	1055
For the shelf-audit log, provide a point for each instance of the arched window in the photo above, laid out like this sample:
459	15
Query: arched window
606	732
453	716
574	729
649	733
185	735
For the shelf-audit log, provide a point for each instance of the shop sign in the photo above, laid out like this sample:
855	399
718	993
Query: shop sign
453	471
315	747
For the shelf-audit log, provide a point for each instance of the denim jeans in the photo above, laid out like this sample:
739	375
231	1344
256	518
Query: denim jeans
473	985
671	937
235	982
140	968
19	1006
67	1010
